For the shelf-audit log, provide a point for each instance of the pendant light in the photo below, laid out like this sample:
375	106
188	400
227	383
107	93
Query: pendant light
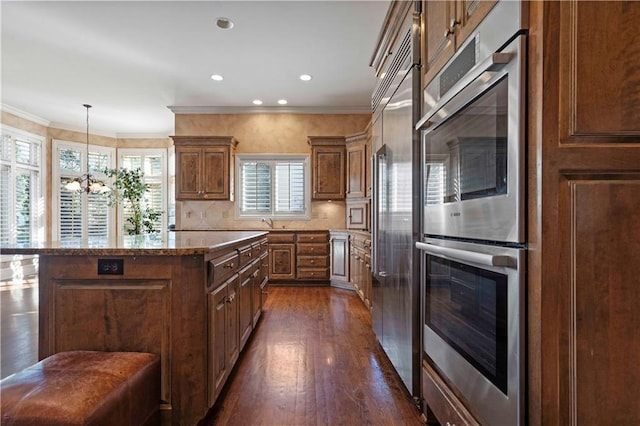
86	182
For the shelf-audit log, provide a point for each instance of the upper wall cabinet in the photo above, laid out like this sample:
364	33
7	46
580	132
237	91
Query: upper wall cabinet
328	167
358	152
447	24
204	167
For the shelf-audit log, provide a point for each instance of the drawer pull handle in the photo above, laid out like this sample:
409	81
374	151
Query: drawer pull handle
229	265
312	262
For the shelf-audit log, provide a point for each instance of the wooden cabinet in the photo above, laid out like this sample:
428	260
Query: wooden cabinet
357	165
339	241
357	214
584	194
224	338
312	249
260	289
282	256
204	167
447	24
360	265
358	180
182	303
245	296
299	257
327	167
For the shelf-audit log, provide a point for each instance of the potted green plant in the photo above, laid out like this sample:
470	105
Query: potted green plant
129	188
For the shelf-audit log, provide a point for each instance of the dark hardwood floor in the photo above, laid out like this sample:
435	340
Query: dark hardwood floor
313	359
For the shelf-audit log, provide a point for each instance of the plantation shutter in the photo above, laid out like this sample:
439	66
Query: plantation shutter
19	187
5	204
289	187
81	214
69	202
256	187
70	212
152	166
273	187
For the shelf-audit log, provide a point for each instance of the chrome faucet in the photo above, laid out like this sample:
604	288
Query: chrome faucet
268	222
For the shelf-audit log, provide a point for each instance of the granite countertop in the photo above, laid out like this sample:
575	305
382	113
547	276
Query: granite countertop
177	243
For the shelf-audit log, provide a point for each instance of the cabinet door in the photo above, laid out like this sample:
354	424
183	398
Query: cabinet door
233	322
356	180
256	298
246	313
218	360
340	258
188	168
358	215
282	261
215	184
469	14
366	279
328	173
354	271
439	45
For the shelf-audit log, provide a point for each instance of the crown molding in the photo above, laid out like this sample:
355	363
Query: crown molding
23	114
63	126
267	110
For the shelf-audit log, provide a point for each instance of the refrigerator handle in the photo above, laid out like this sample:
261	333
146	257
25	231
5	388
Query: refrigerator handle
377	158
374	214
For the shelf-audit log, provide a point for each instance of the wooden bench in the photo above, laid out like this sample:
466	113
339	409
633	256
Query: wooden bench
84	388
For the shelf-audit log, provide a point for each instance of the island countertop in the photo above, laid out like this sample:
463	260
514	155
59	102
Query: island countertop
179	243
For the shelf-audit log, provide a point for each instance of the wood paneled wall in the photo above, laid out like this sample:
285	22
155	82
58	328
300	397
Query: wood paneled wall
584	213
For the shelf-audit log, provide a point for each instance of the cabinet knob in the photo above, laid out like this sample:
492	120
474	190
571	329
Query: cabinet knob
453	23
312	261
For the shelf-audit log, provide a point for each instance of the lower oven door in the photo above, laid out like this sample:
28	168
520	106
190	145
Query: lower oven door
474	324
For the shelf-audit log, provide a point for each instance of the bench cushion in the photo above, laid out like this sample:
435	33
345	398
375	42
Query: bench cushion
83	388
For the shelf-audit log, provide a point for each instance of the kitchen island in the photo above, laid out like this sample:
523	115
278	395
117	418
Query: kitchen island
191	297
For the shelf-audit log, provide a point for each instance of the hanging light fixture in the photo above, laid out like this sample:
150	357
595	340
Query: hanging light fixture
86	182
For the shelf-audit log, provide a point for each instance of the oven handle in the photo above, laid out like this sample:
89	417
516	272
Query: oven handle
494	63
469	256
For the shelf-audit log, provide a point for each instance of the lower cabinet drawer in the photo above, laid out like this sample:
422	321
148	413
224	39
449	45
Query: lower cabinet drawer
312	248
313	273
442	401
313	261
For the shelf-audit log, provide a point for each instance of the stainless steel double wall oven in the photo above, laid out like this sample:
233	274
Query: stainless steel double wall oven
473	266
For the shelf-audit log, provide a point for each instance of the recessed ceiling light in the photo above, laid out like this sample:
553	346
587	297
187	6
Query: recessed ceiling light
282	101
224	23
217	77
257	102
305	77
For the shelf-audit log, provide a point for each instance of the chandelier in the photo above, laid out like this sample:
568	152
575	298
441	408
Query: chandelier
86	182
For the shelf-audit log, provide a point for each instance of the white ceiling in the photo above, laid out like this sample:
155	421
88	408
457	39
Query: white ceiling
133	59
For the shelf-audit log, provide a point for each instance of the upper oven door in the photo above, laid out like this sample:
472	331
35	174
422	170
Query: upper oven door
473	152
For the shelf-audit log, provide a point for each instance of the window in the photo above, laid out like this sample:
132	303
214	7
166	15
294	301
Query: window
76	214
271	186
21	201
153	163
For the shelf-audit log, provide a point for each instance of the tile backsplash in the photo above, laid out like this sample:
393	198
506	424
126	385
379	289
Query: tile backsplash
214	215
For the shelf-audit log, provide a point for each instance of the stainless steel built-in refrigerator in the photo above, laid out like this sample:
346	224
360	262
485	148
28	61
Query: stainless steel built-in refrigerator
396	317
